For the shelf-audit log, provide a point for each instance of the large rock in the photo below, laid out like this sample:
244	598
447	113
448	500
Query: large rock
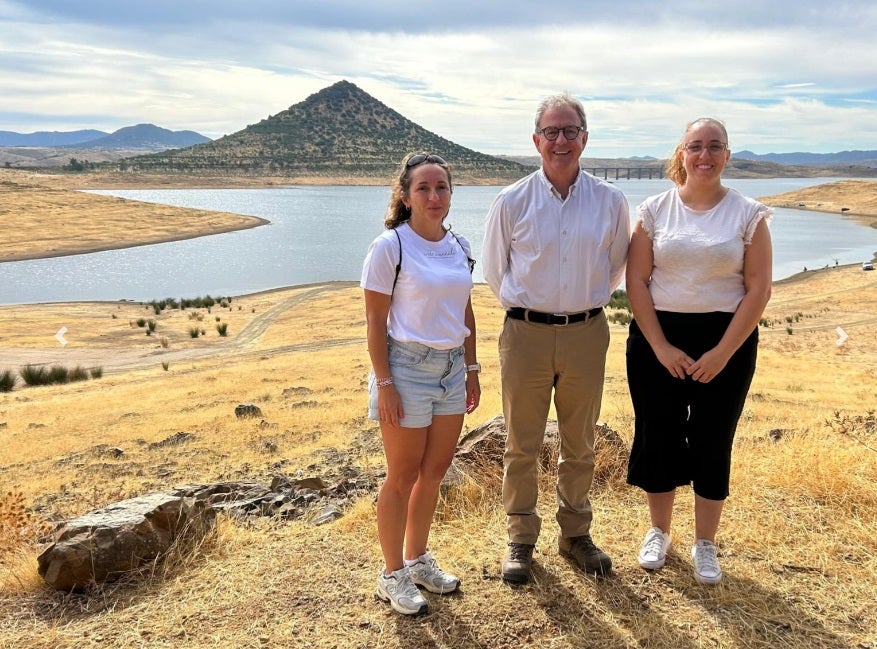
110	542
480	453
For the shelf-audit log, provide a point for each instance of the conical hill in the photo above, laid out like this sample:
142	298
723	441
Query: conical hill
339	132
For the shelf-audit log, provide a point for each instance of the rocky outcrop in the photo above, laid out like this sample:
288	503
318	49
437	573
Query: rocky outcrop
118	539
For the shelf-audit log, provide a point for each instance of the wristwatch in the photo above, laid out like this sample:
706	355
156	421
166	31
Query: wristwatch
474	367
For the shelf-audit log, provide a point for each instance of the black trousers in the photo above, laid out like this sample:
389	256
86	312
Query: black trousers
683	429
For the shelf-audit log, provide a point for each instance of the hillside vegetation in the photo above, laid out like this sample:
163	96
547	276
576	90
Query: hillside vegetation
340	131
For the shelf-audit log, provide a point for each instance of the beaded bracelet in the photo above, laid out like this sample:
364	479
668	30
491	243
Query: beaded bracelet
382	383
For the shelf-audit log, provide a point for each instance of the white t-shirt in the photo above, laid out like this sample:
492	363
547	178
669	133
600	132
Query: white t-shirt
698	256
429	302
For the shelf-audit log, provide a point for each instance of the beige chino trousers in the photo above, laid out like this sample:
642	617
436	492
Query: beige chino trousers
536	359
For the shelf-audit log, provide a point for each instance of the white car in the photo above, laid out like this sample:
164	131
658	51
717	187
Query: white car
867	265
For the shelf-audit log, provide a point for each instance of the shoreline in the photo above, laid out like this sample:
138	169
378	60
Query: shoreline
796	278
853	199
252	222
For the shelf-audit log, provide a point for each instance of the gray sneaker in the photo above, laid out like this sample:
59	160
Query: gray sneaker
426	573
706	562
398	589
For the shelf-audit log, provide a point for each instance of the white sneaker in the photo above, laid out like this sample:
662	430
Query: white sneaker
706	562
398	589
425	572
653	553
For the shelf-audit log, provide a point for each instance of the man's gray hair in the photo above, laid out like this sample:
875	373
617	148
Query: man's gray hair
561	100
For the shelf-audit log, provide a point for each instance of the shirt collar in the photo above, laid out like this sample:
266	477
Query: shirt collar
549	187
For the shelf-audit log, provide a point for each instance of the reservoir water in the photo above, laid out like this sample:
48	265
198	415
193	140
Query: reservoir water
321	234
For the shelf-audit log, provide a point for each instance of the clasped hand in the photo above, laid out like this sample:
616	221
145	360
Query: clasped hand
680	364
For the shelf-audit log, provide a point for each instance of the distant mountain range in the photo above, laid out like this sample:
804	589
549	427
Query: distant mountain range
868	158
339	132
345	134
48	138
141	136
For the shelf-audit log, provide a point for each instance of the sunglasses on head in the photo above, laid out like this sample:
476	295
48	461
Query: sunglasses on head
420	158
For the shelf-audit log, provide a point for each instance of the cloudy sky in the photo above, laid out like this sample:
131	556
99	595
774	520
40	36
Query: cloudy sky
785	75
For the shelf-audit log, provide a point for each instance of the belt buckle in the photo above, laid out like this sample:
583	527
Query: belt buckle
565	316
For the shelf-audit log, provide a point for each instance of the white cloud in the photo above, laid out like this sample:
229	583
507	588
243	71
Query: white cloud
784	76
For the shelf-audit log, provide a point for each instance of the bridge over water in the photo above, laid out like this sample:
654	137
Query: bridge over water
626	173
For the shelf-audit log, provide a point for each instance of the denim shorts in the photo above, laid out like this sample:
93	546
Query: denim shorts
429	381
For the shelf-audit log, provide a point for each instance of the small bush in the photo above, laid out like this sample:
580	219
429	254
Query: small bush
34	375
789	331
59	374
164	342
165	365
78	374
222	328
151	325
619	300
194	332
7	381
96	372
141	322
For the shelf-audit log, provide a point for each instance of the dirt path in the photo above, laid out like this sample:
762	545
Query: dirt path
116	360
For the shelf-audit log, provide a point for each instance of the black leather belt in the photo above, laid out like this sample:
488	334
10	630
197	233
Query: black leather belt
561	319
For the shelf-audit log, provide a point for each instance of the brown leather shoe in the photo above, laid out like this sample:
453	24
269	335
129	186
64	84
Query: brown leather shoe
587	556
518	563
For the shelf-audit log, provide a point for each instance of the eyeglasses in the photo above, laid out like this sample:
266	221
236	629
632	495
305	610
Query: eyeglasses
715	148
420	158
551	133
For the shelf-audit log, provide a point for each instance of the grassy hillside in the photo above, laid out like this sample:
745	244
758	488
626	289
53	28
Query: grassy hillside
340	131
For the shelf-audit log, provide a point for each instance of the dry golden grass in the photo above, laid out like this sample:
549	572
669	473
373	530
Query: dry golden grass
797	539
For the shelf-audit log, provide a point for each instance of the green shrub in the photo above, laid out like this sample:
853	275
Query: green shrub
59	374
165	365
34	375
194	332
222	328
78	374
96	372
141	322
7	381
619	300
151	325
